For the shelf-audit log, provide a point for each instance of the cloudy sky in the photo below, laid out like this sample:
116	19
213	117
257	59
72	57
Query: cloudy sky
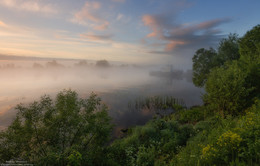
134	31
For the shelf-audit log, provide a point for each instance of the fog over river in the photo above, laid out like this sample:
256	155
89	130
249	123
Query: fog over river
116	84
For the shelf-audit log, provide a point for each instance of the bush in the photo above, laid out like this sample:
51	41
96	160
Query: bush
155	143
192	116
226	89
58	132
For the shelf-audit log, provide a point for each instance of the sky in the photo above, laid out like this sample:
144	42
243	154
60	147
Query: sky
130	31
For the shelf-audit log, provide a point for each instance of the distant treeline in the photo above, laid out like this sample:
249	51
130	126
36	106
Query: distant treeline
56	64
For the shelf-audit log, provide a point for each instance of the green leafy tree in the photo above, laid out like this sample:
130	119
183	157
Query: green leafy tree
203	61
250	59
234	85
226	89
250	44
58	132
228	49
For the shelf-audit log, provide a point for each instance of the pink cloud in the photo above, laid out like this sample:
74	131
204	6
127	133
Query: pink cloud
173	44
90	15
153	24
211	23
153	34
176	36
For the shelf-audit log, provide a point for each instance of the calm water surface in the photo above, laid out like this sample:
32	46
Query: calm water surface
116	85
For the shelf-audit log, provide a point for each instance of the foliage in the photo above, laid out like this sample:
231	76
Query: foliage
68	130
249	44
74	158
156	142
228	49
224	141
203	61
234	86
212	141
226	89
250	59
192	115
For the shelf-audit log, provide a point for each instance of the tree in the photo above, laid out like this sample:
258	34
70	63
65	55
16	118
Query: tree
250	59
234	86
228	49
58	132
203	61
102	63
226	89
250	44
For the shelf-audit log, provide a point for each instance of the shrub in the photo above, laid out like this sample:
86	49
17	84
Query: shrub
158	140
226	89
58	132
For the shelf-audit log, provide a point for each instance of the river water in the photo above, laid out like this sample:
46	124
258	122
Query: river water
117	85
